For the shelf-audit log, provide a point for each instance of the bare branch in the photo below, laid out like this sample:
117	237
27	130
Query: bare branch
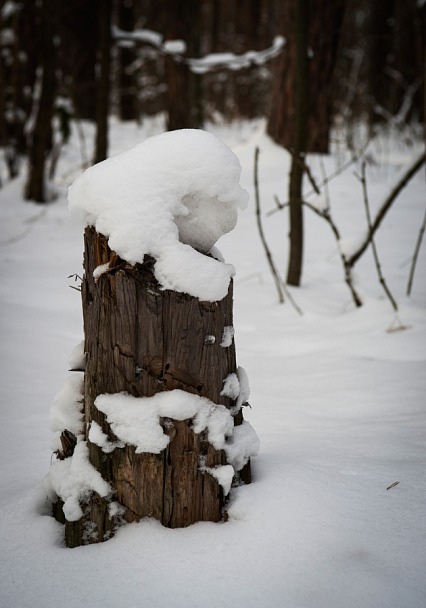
327	179
279	283
373	244
325	214
402	182
260	228
415	256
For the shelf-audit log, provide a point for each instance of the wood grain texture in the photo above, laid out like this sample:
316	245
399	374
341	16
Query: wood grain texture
142	339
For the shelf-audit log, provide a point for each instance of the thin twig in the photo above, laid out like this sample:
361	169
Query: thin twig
353	159
261	233
373	244
325	214
280	285
395	483
405	178
415	256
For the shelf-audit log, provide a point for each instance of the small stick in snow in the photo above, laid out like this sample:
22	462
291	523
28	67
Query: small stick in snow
395	483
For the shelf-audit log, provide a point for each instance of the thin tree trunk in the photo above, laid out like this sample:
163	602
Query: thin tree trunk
42	134
323	36
127	92
103	86
294	271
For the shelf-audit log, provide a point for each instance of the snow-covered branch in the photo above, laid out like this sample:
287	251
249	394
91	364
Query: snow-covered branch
200	65
231	61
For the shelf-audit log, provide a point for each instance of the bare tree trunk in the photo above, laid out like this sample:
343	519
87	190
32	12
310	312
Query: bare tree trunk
298	148
127	91
323	36
183	95
42	134
103	85
79	43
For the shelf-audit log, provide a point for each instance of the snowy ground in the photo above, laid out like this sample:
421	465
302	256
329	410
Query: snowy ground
338	402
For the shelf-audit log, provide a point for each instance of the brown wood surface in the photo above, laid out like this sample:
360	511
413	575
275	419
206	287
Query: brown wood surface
142	339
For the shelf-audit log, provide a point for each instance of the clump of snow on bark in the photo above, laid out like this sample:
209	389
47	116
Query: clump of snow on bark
77	358
98	437
227	336
224	475
136	420
66	411
236	386
243	381
231	386
171	197
100	270
73	480
243	445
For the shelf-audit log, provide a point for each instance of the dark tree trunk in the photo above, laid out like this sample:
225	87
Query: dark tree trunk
42	134
298	148
127	92
18	64
324	31
143	340
79	42
183	95
103	84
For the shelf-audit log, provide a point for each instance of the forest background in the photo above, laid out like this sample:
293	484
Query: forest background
295	63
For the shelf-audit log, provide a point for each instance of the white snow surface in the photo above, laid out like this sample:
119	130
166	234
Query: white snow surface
172	196
337	401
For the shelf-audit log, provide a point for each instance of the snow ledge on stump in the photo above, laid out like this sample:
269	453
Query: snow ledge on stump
136	421
172	197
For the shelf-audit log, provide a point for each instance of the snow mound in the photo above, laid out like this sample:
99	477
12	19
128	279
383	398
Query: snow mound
172	197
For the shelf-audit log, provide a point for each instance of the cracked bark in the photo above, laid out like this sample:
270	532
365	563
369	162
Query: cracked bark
142	339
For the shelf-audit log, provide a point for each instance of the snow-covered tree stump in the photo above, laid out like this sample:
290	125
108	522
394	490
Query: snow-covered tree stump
160	432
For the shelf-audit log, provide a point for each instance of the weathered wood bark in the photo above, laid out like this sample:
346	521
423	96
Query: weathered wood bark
142	340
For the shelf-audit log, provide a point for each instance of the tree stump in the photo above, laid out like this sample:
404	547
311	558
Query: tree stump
141	340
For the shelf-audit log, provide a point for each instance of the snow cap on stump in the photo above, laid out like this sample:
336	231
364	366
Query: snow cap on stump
172	197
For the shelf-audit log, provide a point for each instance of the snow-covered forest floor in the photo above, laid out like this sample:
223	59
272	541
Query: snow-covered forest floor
338	401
